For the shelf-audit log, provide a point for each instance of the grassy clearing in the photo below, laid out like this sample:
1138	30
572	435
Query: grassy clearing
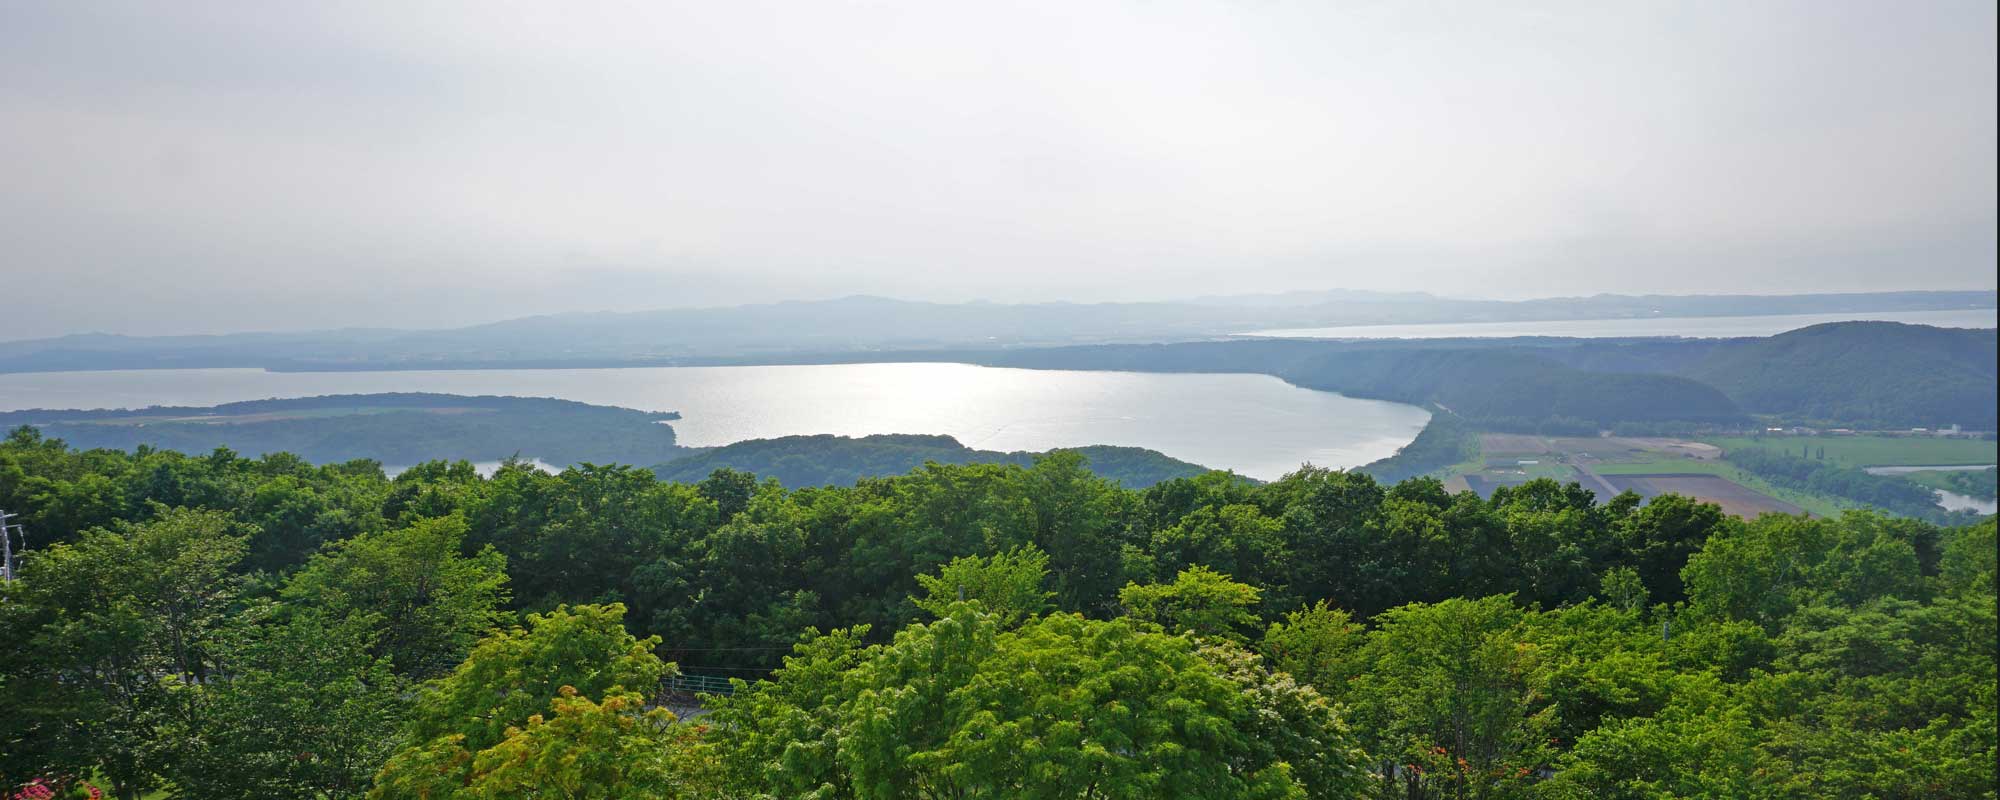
1875	451
1635	457
1560	472
1472	464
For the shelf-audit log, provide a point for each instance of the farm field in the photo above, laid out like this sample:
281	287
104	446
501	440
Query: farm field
1733	497
1593	448
1610	464
1699	469
1486	481
1812	503
1875	451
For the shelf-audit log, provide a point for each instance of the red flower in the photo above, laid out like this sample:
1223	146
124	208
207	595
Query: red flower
35	790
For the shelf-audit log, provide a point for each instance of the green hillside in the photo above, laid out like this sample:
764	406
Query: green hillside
1861	374
397	429
834	460
1504	384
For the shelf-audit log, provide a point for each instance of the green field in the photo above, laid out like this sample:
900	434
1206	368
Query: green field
1641	457
1875	451
1547	469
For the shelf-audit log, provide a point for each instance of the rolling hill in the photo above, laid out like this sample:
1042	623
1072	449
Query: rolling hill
822	460
1860	374
395	429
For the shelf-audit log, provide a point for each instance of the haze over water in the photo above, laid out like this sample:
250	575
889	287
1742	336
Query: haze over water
1256	425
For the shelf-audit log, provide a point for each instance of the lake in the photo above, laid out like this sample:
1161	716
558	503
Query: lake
1256	425
1692	327
1953	501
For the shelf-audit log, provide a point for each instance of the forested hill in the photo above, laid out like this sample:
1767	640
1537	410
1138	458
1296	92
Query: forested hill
1857	374
1882	374
395	429
411	428
1507	385
839	460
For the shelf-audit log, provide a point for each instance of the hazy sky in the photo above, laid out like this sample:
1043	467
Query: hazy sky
210	166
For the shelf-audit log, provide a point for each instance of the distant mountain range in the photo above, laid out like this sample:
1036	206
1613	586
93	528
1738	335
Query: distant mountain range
856	327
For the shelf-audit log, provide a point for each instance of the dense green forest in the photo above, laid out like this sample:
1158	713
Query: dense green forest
1862	374
826	459
220	626
396	428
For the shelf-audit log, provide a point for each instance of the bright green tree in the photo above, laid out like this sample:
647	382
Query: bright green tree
1320	645
1007	585
1454	703
1199	600
1701	745
1062	707
585	750
510	677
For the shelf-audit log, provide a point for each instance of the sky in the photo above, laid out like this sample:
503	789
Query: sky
212	166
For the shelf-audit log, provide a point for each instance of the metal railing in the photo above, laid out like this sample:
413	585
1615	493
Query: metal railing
700	684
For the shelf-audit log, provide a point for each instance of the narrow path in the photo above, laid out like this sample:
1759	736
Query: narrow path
1591	477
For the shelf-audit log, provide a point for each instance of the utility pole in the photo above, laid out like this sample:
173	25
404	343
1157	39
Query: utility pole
7	546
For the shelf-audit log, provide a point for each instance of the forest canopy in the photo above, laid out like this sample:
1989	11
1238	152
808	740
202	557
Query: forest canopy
219	626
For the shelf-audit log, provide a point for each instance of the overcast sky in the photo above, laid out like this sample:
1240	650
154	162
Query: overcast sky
212	166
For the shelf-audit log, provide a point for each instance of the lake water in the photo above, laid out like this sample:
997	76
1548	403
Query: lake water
1256	425
1953	501
1692	327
